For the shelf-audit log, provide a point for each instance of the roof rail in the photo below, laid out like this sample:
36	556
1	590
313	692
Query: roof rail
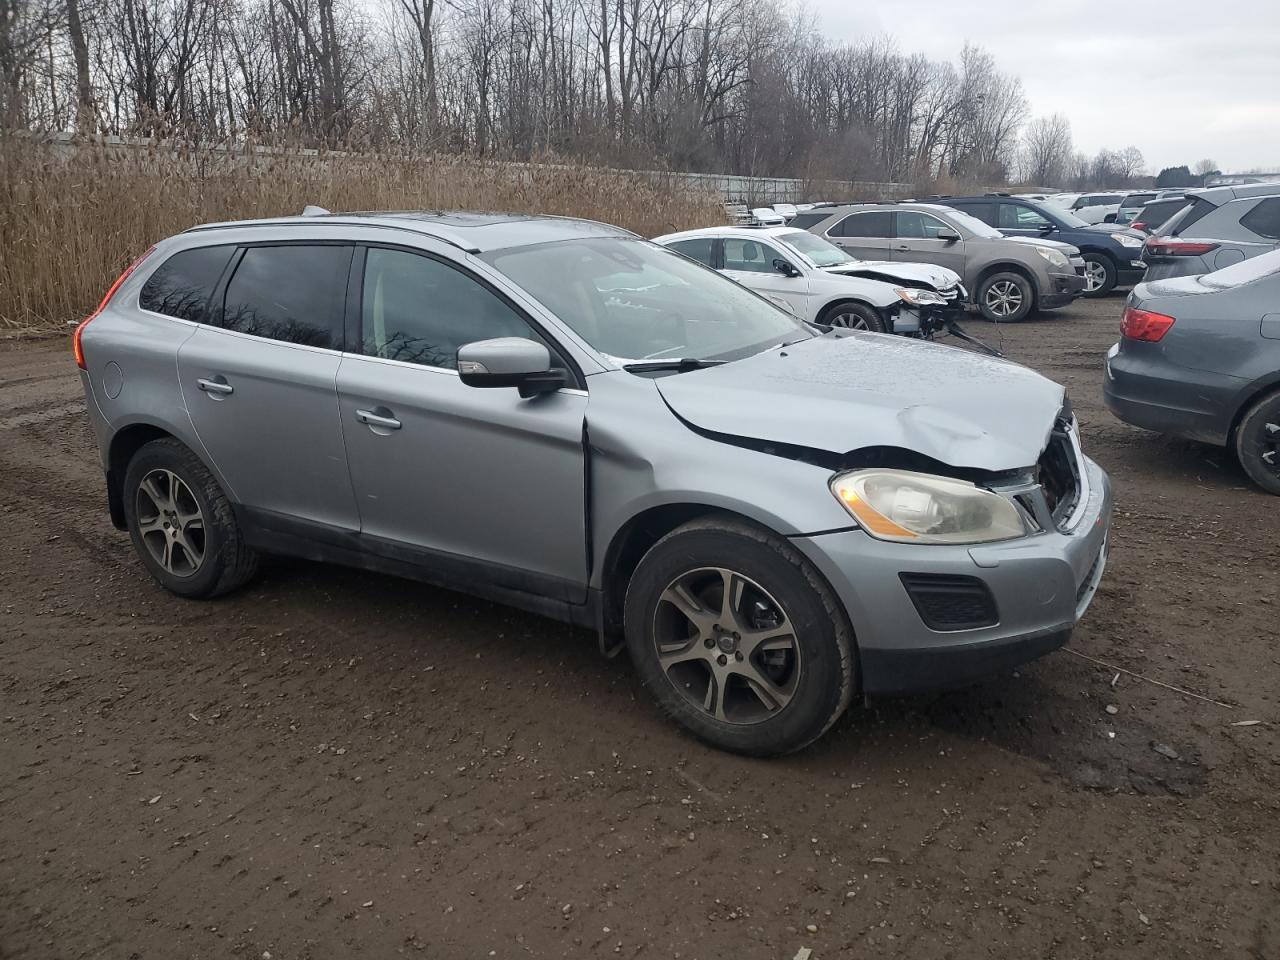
997	194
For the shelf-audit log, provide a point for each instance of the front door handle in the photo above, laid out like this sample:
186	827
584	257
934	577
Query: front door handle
374	419
216	386
902	246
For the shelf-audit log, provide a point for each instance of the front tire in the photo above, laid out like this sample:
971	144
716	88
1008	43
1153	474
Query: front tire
738	638
854	316
1099	275
1005	297
1257	443
181	523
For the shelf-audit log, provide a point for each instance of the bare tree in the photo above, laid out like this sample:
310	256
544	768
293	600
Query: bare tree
1046	151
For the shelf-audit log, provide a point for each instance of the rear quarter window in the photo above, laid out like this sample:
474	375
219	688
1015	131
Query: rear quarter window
1264	219
874	223
182	286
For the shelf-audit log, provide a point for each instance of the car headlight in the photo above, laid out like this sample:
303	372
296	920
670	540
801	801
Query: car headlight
919	298
1125	240
908	507
1054	257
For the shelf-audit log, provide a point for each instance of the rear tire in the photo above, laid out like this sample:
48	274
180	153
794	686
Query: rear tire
1005	297
766	673
181	523
1257	443
854	316
1099	274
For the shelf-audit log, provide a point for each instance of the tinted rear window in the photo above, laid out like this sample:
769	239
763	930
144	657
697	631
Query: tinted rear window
1180	222
699	248
1157	212
804	221
292	293
182	286
1264	219
876	223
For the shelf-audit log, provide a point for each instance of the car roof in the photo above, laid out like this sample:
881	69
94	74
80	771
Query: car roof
732	230
470	231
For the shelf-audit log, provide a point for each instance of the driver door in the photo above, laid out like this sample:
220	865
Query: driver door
1014	220
750	262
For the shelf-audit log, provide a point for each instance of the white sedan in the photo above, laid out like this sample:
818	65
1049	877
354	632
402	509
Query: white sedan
817	281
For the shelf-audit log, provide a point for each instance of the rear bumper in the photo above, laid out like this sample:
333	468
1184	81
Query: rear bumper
1040	586
1145	390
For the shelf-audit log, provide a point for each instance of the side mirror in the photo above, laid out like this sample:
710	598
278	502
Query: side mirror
948	236
1046	228
785	268
1109	218
509	362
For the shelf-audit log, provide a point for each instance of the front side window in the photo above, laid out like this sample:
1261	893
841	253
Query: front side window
292	293
749	256
914	225
634	300
183	284
1014	217
699	248
420	310
877	223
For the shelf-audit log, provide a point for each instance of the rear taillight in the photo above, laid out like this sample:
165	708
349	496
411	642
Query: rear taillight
1173	247
1144	325
1139	225
76	348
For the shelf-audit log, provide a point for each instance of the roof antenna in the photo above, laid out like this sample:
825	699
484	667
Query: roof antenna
311	211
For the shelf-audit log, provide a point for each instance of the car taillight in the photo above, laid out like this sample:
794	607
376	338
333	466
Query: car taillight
1144	325
1139	225
1173	247
76	348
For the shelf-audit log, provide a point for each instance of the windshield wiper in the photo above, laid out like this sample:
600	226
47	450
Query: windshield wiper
684	363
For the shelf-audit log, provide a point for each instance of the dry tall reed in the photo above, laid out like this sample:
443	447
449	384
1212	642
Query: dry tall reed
72	217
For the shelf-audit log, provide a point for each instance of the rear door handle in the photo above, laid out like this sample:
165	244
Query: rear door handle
383	420
217	386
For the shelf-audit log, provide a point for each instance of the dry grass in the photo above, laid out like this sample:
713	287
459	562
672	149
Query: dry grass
72	218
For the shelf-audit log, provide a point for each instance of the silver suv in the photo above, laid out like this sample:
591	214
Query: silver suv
562	416
1008	277
1215	229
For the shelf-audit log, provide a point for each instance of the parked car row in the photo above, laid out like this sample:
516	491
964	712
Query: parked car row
770	517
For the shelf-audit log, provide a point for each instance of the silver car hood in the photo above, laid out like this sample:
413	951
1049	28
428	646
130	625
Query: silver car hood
939	278
1045	242
841	394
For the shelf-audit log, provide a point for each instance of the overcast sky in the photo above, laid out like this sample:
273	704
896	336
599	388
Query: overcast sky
1179	79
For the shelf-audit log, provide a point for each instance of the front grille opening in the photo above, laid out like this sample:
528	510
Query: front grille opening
947	603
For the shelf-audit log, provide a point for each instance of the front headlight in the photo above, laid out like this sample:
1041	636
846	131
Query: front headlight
918	298
1125	240
908	507
1054	257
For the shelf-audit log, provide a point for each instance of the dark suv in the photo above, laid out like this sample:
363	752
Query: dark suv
1111	254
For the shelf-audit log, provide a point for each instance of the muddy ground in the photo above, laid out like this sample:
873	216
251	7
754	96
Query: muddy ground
335	764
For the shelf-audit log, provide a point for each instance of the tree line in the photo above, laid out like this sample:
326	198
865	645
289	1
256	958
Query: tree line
746	86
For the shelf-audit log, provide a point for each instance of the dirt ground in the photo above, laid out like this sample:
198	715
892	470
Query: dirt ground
335	764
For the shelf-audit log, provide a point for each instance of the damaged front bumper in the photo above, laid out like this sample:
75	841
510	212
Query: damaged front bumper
926	617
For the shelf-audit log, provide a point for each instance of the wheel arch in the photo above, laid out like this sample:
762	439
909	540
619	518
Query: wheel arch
127	441
885	311
1008	266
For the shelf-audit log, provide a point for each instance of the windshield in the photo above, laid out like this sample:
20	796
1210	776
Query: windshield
974	225
1067	218
634	300
822	252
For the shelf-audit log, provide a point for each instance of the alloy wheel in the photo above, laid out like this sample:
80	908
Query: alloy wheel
1269	446
850	321
726	645
1095	276
1003	298
170	523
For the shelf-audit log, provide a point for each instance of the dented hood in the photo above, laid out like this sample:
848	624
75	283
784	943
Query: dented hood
931	275
844	393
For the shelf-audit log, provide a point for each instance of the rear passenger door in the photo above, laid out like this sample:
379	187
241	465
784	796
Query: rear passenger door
866	236
750	262
477	484
259	380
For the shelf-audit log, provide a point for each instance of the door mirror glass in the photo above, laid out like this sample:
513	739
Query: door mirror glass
785	268
509	362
